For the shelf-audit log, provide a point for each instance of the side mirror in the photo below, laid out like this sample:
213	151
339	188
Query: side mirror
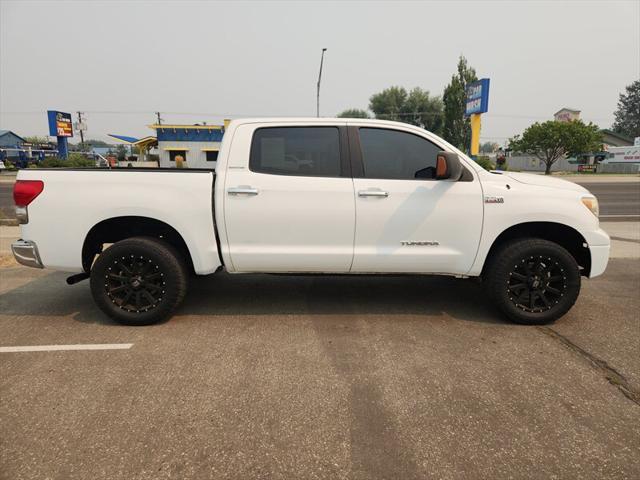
448	166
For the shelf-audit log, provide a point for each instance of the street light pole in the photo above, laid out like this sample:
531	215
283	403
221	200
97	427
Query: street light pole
319	78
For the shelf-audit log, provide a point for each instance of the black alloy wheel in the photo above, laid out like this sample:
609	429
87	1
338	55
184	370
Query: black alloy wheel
532	281
536	284
139	281
134	283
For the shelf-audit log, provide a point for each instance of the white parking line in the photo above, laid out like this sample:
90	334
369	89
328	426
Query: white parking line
56	348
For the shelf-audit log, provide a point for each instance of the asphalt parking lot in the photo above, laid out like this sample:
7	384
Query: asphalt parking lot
323	377
320	377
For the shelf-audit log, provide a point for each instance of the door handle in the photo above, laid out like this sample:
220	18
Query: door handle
242	191
373	193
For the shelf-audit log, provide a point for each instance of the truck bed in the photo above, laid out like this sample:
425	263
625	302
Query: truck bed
76	200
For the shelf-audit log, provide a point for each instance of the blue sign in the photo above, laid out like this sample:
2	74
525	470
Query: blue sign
477	97
60	124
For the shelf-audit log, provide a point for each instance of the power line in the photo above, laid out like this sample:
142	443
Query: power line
234	115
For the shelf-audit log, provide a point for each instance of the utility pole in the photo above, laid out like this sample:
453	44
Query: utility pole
81	129
319	78
159	119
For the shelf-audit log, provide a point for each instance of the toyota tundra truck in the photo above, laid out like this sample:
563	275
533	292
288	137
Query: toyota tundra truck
313	196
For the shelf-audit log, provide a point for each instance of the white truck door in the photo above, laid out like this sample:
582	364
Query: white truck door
289	202
406	221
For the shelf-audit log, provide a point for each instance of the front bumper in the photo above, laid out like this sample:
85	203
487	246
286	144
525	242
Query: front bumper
26	253
599	248
599	259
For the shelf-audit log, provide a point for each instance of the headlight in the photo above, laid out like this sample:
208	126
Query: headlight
592	204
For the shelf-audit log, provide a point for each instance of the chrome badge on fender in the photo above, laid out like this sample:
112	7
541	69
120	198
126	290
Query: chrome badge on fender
490	199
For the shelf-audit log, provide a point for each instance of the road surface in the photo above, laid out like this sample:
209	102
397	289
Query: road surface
616	199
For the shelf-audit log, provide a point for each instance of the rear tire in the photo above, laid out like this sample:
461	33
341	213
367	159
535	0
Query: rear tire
139	281
532	281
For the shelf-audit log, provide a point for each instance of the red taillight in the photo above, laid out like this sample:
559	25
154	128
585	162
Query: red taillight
25	191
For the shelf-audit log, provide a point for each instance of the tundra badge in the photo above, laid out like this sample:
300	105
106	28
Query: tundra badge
407	243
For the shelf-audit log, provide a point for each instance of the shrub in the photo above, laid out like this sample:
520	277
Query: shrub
75	160
485	162
52	162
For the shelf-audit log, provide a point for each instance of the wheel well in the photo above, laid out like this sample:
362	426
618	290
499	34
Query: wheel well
119	228
563	235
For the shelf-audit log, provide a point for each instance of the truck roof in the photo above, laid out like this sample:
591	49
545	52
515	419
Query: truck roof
316	120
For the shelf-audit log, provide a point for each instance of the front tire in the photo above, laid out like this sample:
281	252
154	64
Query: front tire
532	281
139	281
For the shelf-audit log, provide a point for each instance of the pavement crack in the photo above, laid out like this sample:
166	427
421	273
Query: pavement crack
614	377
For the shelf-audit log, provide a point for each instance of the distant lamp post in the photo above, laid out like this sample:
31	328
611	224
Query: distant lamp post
319	78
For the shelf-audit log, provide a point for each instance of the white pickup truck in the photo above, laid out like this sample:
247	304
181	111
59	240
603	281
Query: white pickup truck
321	196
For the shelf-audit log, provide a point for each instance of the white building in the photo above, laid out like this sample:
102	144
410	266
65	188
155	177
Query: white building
198	145
566	115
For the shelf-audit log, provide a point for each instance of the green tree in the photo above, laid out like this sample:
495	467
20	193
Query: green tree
552	140
416	107
424	111
77	147
389	103
96	143
354	113
628	113
121	153
489	147
35	140
457	128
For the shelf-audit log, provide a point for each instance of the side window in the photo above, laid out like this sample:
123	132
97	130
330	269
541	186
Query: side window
301	151
396	155
211	155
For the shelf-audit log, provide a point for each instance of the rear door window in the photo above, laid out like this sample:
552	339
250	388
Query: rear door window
301	151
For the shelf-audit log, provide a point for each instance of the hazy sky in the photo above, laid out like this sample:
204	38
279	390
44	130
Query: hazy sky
195	61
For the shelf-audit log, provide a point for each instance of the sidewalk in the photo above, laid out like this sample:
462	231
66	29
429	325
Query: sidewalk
625	238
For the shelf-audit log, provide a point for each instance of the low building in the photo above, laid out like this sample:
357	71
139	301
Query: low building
566	115
10	145
614	139
197	145
140	149
8	139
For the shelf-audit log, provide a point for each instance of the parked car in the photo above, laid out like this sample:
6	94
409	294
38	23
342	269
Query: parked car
321	196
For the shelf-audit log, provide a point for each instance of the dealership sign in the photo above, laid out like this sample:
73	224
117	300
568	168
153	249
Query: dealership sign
60	124
477	97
